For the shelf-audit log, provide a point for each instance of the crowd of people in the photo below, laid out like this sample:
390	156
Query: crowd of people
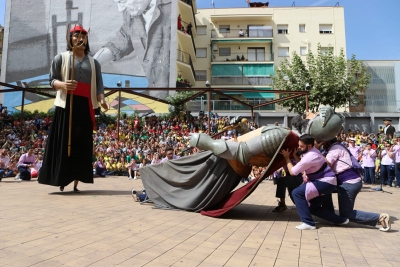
151	139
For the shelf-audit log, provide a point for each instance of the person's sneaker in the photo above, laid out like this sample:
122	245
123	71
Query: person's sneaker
134	178
305	226
384	220
280	208
345	222
17	177
130	178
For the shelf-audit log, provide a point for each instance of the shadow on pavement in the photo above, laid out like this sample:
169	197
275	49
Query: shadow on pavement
69	192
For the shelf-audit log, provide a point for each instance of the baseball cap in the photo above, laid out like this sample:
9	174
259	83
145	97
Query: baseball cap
78	28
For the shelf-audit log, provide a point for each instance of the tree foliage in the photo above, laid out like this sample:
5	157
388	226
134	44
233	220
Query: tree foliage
176	99
333	79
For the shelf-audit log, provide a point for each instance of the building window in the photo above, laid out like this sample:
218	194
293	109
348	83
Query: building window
283	29
302	27
256	54
325	28
201	30
201	52
201	75
326	50
224	28
283	51
225	51
303	51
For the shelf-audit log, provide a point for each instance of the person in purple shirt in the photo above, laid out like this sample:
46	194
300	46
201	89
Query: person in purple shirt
25	163
321	182
354	150
396	151
368	159
349	185
169	152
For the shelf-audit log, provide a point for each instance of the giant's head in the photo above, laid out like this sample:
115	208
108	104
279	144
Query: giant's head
323	127
134	7
78	38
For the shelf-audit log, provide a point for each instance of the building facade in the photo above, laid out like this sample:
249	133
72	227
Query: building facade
241	47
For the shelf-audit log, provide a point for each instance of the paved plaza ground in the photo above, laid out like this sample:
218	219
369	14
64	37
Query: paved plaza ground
103	226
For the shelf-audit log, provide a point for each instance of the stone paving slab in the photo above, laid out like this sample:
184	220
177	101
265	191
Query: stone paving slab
103	226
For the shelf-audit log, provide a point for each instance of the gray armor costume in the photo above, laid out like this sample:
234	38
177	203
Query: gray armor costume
323	127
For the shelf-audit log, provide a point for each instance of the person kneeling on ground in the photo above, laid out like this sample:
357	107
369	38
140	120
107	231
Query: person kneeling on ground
321	182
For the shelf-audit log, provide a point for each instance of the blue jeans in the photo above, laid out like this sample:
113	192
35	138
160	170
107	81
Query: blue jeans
315	208
347	194
369	175
387	174
397	172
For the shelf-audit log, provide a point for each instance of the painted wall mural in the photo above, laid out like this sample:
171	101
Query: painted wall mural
130	38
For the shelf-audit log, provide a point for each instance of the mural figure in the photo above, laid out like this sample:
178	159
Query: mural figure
143	35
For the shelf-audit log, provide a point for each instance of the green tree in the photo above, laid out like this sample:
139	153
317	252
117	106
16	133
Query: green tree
176	101
333	80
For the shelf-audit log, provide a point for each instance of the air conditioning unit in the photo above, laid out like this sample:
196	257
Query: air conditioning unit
215	47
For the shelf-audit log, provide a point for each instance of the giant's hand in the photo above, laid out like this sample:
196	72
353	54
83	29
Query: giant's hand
193	139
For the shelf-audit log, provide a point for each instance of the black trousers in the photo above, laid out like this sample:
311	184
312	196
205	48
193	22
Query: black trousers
289	183
24	173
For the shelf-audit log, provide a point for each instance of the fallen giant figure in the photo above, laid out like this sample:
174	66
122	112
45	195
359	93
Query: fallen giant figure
203	182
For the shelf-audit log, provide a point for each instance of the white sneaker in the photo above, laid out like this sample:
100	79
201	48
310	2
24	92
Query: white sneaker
135	178
305	226
17	177
19	180
130	178
345	222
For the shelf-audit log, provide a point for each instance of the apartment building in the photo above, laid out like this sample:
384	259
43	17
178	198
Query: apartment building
186	48
242	47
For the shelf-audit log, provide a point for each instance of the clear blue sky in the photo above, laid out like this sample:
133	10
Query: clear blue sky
372	26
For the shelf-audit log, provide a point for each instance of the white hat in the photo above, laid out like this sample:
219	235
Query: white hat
352	139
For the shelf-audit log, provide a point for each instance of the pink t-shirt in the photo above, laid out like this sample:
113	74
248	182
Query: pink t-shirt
336	155
386	160
310	162
396	151
368	158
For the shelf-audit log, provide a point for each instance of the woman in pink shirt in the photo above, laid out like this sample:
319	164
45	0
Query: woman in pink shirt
368	159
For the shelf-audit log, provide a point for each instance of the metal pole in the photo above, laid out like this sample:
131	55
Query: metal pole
252	114
209	111
306	103
119	113
21	117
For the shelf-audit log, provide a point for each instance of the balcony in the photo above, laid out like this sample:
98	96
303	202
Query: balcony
187	12
243	35
226	105
242	57
241	80
186	40
185	66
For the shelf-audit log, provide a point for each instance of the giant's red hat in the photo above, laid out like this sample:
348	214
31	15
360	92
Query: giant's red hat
78	28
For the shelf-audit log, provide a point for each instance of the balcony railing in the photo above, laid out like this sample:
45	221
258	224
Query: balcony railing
190	3
241	80
185	58
246	56
244	33
197	105
184	30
